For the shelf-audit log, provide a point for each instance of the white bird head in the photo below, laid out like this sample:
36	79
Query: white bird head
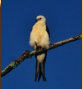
41	18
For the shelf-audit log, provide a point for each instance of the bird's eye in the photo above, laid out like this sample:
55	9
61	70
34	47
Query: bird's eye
39	19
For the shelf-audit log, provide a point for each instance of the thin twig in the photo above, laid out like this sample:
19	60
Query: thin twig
27	54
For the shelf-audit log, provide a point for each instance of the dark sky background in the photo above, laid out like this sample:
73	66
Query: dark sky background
63	65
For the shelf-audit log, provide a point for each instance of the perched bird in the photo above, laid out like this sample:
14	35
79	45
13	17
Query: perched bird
40	39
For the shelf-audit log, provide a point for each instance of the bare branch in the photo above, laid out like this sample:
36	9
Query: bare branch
27	54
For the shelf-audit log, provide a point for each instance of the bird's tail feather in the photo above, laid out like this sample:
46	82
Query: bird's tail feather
40	71
37	70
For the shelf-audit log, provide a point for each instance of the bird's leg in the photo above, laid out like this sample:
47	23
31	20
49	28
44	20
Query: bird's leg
37	47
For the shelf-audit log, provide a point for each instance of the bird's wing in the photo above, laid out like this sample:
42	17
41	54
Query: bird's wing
47	29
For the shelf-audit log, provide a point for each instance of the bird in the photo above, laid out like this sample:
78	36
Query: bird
40	39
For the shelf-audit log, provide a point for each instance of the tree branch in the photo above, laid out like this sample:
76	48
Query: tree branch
27	54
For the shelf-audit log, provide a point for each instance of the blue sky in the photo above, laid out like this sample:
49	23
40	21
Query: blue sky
63	65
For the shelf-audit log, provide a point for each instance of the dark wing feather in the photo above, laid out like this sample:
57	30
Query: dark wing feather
47	29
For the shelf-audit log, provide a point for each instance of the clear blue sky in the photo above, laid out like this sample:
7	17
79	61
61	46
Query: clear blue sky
63	65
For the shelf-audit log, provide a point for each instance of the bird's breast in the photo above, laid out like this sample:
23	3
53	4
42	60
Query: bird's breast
39	35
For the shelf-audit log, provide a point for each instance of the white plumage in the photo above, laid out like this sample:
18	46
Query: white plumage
39	34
